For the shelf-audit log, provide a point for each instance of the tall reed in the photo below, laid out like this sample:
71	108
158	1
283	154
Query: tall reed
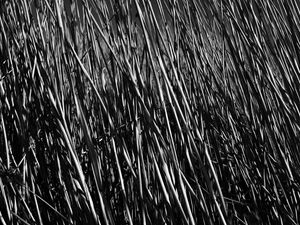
149	112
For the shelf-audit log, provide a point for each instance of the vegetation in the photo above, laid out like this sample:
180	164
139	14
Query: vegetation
149	112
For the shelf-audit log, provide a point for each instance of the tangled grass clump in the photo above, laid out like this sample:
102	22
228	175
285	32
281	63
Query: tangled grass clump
149	112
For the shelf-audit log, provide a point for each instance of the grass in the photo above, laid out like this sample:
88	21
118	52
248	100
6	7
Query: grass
149	112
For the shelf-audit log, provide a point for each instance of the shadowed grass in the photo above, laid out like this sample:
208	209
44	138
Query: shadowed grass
149	112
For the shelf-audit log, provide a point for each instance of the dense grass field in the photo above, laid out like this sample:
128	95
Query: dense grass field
149	112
